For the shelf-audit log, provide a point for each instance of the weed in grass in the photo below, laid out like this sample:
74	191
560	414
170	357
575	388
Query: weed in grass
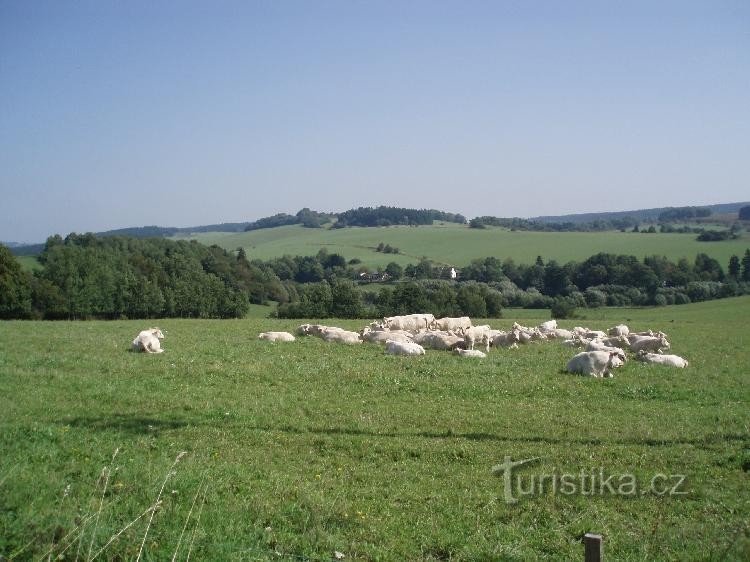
62	543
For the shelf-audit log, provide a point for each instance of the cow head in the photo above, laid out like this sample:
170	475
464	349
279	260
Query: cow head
616	359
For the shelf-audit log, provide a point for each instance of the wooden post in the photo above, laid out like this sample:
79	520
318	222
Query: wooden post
593	547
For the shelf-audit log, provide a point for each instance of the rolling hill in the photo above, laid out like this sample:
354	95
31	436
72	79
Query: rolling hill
457	245
639	214
447	242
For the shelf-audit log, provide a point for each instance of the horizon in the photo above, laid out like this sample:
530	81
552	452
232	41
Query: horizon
116	116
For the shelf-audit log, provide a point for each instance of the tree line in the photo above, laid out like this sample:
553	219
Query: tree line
388	216
85	276
488	285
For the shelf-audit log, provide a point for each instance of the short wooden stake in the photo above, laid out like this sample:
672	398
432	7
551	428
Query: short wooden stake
593	546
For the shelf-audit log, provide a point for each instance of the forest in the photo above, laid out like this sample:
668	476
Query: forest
85	276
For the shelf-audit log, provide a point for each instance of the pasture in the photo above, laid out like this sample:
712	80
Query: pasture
457	245
298	451
29	263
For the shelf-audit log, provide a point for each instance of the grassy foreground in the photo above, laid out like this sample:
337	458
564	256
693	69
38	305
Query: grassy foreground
457	244
297	451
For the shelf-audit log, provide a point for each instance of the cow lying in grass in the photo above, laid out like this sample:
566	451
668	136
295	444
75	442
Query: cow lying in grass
403	348
668	360
595	363
276	336
148	341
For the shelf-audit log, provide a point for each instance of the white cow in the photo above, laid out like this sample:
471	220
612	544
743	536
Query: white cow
381	336
655	344
597	345
548	326
403	348
438	340
451	324
316	330
589	333
594	363
619	330
668	360
410	322
339	335
560	334
276	336
476	334
509	339
149	341
470	353
616	341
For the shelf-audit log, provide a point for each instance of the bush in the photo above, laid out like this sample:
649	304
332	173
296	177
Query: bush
595	298
681	298
534	299
563	307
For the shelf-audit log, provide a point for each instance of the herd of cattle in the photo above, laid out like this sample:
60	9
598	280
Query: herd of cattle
413	333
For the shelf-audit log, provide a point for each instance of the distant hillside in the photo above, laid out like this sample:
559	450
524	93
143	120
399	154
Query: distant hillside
639	214
137	232
166	231
388	216
26	249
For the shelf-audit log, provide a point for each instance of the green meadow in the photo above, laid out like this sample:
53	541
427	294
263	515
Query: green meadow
304	450
457	245
29	263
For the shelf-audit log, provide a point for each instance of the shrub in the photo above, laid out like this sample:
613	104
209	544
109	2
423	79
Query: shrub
595	298
563	307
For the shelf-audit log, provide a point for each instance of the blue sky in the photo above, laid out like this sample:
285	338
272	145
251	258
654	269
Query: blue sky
117	114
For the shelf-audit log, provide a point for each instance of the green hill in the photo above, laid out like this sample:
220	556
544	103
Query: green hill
458	244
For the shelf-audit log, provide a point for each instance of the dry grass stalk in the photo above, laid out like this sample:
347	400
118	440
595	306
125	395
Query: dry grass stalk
158	501
187	519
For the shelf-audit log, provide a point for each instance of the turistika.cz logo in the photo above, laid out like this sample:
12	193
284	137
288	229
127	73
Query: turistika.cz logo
591	482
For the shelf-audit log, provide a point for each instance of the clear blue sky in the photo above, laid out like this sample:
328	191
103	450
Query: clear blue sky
133	113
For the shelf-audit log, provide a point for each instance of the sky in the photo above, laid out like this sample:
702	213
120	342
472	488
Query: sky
183	113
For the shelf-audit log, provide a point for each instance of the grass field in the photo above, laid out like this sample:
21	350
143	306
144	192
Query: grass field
29	263
458	245
296	451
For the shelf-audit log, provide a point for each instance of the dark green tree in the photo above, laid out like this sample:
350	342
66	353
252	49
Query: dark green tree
409	298
443	301
707	268
15	287
555	279
346	301
471	301
735	268
746	266
423	269
309	270
316	300
394	271
563	307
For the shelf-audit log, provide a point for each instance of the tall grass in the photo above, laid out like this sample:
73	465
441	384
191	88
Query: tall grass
60	546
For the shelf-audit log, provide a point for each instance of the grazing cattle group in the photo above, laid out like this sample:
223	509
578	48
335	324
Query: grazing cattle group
412	334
